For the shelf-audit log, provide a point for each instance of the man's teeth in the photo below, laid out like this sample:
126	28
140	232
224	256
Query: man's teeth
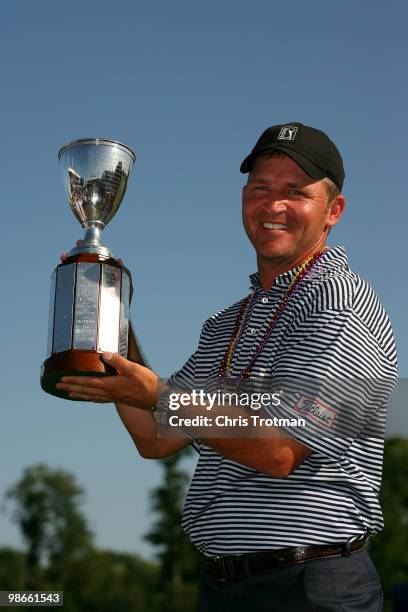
275	226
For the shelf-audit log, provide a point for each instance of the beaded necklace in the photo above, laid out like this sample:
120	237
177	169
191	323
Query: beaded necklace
303	270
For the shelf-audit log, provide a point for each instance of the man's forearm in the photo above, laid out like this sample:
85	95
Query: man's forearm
140	423
143	431
237	435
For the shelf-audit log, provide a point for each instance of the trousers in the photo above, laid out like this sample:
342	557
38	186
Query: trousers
340	584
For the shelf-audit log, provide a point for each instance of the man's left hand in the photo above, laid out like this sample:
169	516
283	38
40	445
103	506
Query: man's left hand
134	385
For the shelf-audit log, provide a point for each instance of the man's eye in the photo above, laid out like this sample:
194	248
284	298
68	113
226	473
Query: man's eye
261	188
295	192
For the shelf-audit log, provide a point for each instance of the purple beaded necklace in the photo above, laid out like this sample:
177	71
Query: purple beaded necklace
304	270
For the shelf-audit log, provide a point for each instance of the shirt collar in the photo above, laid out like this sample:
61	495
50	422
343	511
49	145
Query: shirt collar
333	259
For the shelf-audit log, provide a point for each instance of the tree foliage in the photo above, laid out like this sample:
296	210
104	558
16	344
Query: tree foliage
46	508
389	549
12	569
60	552
178	561
61	555
106	581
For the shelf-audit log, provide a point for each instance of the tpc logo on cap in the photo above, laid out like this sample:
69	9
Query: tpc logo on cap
288	133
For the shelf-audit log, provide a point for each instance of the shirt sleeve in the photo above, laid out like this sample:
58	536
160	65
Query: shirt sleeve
333	379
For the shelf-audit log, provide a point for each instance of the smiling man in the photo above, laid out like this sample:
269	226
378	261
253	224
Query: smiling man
286	214
281	517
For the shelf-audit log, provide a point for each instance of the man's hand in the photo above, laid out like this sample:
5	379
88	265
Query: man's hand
64	255
134	385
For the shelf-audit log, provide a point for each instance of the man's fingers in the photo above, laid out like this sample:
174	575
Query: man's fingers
64	255
134	385
87	392
90	398
83	391
84	382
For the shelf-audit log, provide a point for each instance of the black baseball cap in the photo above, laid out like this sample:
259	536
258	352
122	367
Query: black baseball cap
310	148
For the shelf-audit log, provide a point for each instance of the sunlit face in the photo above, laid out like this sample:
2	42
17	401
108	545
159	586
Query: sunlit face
285	212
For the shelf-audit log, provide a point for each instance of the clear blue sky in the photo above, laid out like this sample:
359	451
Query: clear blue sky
189	86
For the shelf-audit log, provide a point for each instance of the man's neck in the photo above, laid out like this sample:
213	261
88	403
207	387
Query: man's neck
269	270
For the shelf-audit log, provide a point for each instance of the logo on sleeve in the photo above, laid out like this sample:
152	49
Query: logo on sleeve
318	412
288	132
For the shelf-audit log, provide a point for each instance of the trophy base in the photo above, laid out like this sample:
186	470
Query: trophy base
72	363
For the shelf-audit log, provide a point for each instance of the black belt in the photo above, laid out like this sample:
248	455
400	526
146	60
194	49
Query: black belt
232	567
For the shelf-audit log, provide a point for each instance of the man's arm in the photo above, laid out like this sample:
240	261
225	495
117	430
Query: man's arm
277	457
268	449
136	389
276	453
143	430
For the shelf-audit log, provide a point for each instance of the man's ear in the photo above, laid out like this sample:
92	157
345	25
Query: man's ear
336	209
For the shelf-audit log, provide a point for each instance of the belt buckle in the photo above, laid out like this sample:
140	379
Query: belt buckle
226	567
222	565
214	564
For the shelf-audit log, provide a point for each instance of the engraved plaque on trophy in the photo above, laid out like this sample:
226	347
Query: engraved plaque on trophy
90	290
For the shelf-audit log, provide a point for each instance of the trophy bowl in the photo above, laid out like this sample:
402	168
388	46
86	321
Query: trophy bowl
90	290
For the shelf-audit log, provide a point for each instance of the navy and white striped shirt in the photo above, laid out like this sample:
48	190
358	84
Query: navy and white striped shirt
334	328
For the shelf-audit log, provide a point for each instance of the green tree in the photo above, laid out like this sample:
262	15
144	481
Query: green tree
107	581
178	561
45	506
60	553
12	569
389	549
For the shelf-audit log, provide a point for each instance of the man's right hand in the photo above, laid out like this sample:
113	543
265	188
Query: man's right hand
64	255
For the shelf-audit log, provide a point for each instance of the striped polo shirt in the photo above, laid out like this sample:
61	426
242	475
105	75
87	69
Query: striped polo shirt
332	329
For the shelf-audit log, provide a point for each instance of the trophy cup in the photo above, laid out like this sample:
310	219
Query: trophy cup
90	289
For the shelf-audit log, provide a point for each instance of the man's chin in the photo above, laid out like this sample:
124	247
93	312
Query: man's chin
275	254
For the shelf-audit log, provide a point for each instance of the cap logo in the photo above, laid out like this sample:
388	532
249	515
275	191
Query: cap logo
288	132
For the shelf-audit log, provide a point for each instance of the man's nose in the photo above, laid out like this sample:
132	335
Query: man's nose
275	203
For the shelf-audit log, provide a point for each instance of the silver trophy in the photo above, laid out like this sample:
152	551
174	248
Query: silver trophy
90	290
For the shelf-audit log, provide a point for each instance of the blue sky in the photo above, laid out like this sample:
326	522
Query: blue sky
189	86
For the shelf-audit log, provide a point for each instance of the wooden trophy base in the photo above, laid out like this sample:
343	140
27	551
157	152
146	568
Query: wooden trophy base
72	363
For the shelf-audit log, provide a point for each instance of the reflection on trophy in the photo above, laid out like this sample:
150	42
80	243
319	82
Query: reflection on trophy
90	290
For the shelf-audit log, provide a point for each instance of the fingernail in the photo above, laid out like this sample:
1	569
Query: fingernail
107	356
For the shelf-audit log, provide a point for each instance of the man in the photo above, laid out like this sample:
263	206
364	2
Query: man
280	512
